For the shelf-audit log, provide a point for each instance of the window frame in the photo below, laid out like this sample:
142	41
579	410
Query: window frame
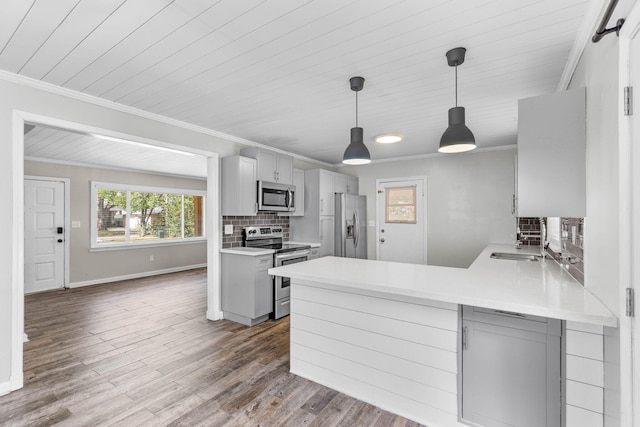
100	185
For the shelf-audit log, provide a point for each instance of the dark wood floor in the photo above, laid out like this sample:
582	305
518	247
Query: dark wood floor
141	352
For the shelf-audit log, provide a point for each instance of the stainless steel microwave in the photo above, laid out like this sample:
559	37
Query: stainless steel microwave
274	197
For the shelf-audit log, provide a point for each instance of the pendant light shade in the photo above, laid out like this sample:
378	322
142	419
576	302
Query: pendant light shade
458	138
356	153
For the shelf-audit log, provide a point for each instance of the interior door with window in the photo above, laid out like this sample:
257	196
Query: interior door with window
401	220
44	242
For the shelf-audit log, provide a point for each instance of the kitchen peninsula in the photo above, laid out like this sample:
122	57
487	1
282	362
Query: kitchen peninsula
388	333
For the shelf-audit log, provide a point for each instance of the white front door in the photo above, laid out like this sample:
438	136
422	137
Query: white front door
401	220
44	237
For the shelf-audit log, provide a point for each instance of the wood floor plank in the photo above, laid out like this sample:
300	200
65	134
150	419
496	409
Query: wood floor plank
141	352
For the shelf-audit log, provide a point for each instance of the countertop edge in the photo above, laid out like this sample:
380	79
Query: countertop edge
595	312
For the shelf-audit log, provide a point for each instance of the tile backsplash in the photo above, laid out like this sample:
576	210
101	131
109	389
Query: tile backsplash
572	251
238	222
566	242
529	230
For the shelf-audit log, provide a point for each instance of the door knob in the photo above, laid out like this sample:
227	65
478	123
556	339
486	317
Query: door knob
59	240
382	240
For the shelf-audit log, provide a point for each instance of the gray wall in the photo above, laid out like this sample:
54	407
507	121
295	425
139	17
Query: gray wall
468	201
18	97
92	266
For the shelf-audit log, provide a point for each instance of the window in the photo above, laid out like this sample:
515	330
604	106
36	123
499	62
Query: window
400	205
125	215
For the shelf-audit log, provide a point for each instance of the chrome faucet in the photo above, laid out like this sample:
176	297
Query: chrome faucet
543	237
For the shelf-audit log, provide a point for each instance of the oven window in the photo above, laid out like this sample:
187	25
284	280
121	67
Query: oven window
286	282
294	260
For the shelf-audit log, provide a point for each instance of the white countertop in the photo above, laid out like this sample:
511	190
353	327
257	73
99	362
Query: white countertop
538	288
247	251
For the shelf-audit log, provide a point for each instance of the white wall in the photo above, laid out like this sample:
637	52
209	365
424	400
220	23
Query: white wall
598	71
468	201
86	266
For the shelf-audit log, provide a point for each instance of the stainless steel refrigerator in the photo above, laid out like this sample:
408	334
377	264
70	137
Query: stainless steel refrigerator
350	239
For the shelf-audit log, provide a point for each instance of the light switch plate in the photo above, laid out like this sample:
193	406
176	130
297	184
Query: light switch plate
228	229
75	224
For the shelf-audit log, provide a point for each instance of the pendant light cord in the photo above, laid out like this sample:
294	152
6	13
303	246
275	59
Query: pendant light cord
356	108
456	85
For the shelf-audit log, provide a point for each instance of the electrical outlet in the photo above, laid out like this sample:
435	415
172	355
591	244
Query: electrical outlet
150	257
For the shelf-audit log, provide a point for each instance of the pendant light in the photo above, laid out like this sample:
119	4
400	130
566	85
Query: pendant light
356	153
457	138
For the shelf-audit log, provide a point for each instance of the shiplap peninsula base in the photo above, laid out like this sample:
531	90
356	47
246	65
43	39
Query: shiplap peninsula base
388	333
395	354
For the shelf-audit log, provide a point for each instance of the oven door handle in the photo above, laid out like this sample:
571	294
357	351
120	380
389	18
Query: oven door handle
292	255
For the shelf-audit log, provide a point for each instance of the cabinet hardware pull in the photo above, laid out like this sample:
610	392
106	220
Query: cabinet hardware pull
464	338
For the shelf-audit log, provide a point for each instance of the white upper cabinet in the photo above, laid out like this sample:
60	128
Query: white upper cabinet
238	186
340	184
271	166
352	185
326	192
551	168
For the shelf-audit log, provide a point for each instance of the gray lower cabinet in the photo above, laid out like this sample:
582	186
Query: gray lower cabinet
314	253
511	373
247	288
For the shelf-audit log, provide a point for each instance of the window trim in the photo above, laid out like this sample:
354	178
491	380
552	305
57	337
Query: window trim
100	185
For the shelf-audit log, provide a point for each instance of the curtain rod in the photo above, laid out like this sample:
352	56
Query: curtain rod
602	28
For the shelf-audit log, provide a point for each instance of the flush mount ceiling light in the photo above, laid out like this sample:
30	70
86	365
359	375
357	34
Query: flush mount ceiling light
356	153
457	138
388	138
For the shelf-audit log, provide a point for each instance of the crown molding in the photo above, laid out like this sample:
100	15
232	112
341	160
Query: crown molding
101	102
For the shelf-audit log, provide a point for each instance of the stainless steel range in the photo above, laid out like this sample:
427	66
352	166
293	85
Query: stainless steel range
270	237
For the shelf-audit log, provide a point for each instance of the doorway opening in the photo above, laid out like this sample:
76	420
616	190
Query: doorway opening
20	119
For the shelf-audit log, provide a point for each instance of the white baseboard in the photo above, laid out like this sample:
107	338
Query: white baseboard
134	276
214	315
15	382
5	388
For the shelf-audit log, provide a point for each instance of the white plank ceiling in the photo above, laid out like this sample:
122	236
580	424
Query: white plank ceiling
276	71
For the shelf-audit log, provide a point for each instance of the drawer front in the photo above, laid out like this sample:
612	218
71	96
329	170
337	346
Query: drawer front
510	319
264	262
282	308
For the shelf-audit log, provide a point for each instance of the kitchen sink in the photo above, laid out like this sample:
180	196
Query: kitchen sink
515	257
